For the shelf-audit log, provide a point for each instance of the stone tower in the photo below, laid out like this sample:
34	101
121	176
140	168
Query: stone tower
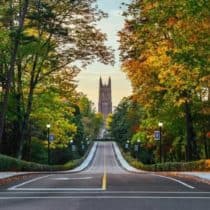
105	98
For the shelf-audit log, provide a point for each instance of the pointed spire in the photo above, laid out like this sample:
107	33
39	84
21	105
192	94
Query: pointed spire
109	83
100	82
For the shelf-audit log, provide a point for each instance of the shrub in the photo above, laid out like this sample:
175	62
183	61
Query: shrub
8	163
200	165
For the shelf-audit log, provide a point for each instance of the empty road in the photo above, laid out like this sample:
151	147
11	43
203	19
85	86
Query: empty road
104	185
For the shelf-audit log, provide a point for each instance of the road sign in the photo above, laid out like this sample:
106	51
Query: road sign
51	137
126	146
157	135
73	148
136	148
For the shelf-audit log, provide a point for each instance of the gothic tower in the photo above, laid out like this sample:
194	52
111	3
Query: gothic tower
105	98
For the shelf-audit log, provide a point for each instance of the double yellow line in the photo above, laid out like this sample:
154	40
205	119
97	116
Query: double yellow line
104	179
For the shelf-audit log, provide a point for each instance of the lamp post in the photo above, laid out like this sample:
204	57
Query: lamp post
87	140
139	142
48	141
138	147
1	93
160	124
127	145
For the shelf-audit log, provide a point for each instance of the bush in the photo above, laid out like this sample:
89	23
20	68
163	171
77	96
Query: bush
200	165
12	164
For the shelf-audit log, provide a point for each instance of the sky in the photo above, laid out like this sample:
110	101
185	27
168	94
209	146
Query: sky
88	79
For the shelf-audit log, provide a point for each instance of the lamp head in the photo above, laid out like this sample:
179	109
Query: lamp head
48	125
160	124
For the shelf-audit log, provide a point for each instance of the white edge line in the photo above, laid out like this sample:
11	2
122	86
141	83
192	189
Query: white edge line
27	182
129	168
57	189
111	192
84	164
124	164
87	161
103	197
66	179
175	180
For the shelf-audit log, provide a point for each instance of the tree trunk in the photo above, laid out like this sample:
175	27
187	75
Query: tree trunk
24	127
14	50
191	144
19	107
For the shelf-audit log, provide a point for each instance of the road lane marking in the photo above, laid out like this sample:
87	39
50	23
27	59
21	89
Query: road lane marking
103	197
56	189
175	180
100	190
104	179
27	182
75	178
104	182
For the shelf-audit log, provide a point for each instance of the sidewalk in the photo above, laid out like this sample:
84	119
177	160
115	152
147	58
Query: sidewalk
4	175
201	175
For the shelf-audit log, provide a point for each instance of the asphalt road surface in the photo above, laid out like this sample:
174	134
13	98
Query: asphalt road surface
104	185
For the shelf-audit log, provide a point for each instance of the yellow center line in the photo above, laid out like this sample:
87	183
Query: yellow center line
104	179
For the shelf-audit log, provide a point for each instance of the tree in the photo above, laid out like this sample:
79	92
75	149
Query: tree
125	120
15	17
54	35
164	53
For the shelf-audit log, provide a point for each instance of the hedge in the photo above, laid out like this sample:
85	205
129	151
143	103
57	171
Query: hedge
12	164
8	163
200	165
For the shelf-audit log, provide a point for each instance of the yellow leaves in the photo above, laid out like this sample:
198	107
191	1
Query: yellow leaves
181	101
32	32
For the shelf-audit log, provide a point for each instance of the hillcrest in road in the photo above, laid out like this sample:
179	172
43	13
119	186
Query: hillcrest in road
107	183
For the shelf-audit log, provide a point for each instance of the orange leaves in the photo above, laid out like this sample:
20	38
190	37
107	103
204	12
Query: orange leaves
163	52
172	21
150	5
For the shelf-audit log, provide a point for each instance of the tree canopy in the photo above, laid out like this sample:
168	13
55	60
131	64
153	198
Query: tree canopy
165	53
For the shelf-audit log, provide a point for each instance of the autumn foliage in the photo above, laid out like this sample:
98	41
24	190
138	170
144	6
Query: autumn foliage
165	53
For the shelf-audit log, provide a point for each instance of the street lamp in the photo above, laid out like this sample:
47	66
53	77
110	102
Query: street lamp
48	141
137	147
1	93
87	140
160	124
82	146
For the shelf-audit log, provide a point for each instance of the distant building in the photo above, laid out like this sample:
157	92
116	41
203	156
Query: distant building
105	98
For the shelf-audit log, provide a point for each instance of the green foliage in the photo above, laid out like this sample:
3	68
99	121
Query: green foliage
38	152
12	164
165	53
125	120
39	52
200	165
